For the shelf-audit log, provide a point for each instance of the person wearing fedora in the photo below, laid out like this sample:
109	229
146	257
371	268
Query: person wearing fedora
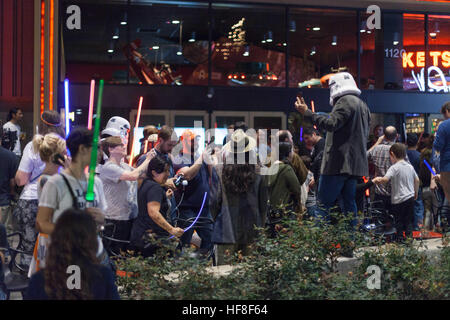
344	156
239	199
195	170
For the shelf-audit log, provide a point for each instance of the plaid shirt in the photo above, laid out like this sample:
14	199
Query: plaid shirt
379	156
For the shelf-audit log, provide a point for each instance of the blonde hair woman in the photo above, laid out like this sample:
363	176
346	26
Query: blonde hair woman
52	151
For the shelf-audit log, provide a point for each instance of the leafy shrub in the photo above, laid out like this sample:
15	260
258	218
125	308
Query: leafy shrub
300	263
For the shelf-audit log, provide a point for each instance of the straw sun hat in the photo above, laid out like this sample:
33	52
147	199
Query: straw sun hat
240	143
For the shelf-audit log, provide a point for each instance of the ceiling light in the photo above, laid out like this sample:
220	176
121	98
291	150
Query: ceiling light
362	29
292	26
155	47
116	34
192	39
313	51
433	35
124	19
269	36
175	21
111	48
247	51
396	39
316	28
334	41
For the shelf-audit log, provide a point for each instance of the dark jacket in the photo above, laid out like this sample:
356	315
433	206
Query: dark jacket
347	129
236	215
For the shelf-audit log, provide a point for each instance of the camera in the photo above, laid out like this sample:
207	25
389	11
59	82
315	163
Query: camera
9	139
180	181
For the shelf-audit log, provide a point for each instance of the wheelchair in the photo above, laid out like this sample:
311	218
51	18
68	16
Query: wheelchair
378	222
14	275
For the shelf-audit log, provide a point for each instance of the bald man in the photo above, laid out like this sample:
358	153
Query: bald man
378	154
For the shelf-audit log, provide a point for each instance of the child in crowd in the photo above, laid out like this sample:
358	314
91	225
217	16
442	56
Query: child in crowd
405	187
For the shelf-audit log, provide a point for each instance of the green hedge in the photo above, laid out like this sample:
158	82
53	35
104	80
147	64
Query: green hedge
299	264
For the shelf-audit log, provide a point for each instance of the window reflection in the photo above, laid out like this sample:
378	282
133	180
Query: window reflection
321	41
248	46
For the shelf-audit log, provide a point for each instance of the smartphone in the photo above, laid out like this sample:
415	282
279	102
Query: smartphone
58	159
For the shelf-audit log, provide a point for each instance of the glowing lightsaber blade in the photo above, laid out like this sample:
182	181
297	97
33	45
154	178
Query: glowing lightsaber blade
138	117
90	196
301	133
429	167
66	105
91	104
404	131
198	215
312	109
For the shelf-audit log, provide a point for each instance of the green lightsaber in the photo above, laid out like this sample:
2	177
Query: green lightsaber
90	196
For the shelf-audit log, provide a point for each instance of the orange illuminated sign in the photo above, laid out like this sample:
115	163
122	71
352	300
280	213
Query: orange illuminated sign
417	59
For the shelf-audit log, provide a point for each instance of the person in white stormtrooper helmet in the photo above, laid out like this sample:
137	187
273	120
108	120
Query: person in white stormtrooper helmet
116	127
344	158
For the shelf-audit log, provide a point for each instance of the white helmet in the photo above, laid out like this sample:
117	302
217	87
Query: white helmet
117	126
341	84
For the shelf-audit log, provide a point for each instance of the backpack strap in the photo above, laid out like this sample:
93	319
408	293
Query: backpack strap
74	199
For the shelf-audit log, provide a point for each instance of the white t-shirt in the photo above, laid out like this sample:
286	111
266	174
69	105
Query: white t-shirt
121	196
31	163
57	196
14	127
402	176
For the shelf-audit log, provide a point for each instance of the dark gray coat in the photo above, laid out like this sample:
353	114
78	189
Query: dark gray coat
347	129
236	215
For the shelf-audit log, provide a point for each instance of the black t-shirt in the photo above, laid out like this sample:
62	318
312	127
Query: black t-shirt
8	167
149	191
197	186
414	159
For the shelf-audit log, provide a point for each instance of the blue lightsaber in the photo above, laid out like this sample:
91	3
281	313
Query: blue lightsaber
198	215
301	133
66	105
429	167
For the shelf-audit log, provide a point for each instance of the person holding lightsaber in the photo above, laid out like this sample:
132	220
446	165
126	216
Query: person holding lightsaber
120	185
68	189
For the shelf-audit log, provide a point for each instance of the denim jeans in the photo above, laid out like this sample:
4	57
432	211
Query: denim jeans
333	187
205	232
418	210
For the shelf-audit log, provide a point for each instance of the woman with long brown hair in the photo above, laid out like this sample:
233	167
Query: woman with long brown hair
72	254
239	199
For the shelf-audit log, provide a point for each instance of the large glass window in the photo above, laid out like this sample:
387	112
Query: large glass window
169	43
367	52
248	46
321	41
143	43
439	53
96	49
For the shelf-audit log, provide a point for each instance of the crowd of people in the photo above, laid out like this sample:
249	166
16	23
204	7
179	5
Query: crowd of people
223	189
